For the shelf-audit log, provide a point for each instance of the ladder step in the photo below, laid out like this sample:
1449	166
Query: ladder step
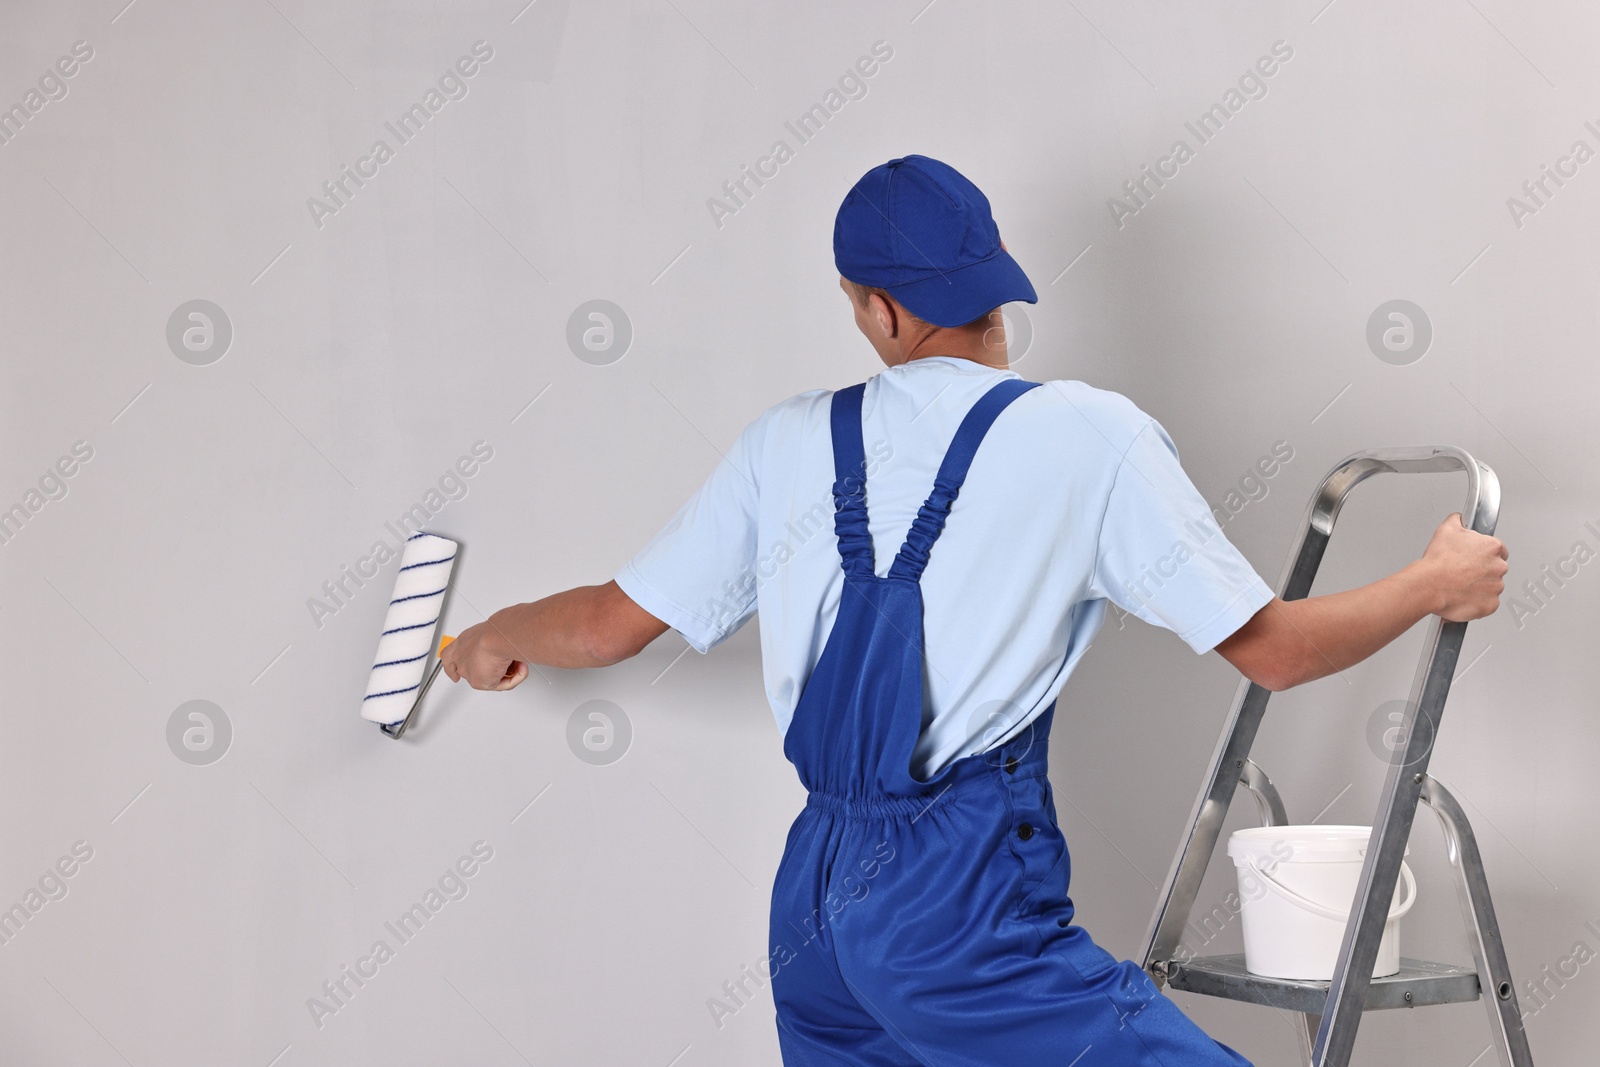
1418	983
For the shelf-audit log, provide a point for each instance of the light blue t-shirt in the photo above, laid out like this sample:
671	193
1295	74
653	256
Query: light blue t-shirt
1075	498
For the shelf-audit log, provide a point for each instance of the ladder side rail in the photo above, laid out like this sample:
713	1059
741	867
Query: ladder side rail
1307	1031
1347	993
1182	885
1488	950
1391	829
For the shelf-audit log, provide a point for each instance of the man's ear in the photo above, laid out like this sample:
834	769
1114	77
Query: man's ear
887	321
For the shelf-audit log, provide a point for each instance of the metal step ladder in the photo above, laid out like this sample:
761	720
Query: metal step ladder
1331	1011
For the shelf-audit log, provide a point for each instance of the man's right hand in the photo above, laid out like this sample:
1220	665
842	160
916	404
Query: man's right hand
1466	571
484	658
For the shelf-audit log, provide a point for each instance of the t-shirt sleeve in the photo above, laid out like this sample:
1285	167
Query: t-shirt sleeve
1161	555
697	574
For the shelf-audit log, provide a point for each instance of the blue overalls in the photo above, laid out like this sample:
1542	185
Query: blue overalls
928	922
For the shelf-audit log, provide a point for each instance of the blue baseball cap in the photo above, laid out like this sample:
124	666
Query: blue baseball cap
920	230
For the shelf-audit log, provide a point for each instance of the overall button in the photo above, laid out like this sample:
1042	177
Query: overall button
1025	831
1011	765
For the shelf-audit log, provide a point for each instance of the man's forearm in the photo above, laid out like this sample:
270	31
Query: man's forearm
1460	577
1339	630
589	626
557	631
1288	643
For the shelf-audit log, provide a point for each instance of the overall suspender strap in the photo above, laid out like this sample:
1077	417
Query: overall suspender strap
850	483
930	519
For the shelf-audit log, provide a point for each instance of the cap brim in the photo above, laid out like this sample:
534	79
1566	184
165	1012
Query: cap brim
957	297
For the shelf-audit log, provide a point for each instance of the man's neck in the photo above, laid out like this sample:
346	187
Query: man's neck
985	344
991	356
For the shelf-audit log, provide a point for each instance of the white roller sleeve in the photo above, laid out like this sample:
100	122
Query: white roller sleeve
408	628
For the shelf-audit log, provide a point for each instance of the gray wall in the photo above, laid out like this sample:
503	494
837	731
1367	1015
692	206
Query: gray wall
372	346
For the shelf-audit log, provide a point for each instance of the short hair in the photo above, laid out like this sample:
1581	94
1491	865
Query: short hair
863	292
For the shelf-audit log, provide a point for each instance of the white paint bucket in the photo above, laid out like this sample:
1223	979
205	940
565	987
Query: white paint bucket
1296	887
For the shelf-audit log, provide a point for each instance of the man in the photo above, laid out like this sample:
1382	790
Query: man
913	656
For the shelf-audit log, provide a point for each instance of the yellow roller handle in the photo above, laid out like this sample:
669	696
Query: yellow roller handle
444	642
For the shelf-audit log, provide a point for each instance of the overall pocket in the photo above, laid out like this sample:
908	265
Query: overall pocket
1036	841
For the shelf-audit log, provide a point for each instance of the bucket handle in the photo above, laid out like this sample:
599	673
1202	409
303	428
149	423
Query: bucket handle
1396	911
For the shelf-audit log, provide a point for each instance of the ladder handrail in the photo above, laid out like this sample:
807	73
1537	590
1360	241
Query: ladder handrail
1480	513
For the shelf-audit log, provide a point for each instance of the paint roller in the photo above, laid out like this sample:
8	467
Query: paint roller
395	687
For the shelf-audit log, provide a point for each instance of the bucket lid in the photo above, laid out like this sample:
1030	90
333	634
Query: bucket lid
1270	845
